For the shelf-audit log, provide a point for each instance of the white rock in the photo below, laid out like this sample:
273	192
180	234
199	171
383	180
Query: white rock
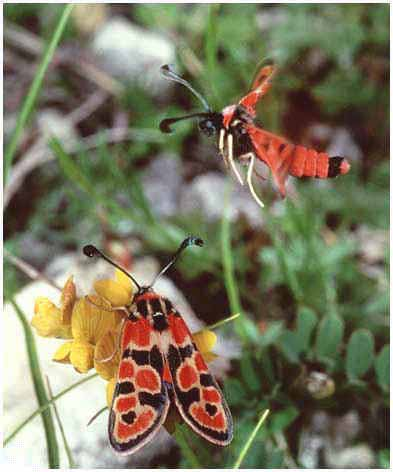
206	193
133	54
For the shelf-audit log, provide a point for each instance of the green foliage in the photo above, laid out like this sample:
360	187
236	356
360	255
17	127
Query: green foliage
360	354
382	368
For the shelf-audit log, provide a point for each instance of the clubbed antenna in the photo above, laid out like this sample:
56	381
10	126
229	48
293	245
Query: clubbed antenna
190	241
169	74
92	251
165	125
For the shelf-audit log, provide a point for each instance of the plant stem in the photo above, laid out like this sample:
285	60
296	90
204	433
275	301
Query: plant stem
31	97
66	446
39	388
250	440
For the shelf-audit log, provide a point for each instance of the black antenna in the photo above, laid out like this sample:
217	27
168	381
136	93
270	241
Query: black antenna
165	125
92	251
190	241
170	74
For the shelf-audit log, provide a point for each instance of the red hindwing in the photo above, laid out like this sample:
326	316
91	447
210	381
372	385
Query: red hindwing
259	88
196	393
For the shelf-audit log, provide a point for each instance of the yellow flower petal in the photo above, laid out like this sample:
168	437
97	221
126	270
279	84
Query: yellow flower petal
124	281
107	347
82	356
63	353
67	301
112	291
205	340
47	320
110	388
89	322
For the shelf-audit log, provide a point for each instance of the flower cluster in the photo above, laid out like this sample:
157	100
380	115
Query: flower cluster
91	327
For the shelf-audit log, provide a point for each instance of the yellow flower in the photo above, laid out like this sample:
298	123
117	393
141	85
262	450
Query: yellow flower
118	292
51	321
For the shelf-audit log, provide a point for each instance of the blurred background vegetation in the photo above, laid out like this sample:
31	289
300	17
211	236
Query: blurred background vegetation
309	274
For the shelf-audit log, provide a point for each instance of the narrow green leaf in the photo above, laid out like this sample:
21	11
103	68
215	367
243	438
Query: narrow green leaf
250	440
382	368
222	322
360	354
306	322
31	97
289	345
329	337
249	374
272	333
67	448
282	419
180	436
39	388
384	458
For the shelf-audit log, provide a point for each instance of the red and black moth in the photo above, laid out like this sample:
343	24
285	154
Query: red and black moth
160	365
241	139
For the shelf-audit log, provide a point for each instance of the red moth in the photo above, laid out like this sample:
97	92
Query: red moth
160	365
241	139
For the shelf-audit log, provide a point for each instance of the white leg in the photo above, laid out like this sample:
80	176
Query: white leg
230	159
249	182
107	359
221	140
114	308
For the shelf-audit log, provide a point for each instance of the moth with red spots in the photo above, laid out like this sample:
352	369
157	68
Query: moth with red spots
241	139
160	365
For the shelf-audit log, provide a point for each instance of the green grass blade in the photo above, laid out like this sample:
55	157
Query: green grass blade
211	48
39	388
222	322
31	97
60	424
45	407
250	440
229	274
186	448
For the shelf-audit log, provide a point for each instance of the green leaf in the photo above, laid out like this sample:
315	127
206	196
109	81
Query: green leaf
384	458
39	389
382	368
234	392
249	374
289	345
360	354
272	334
282	419
306	322
329	337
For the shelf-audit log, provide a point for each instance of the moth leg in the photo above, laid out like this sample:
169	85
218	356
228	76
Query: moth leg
230	159
221	147
245	159
114	308
249	182
117	348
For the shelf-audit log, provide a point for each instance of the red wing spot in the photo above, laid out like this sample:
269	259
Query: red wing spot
147	379
125	403
199	362
126	370
136	332
216	422
211	395
187	376
178	329
140	425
